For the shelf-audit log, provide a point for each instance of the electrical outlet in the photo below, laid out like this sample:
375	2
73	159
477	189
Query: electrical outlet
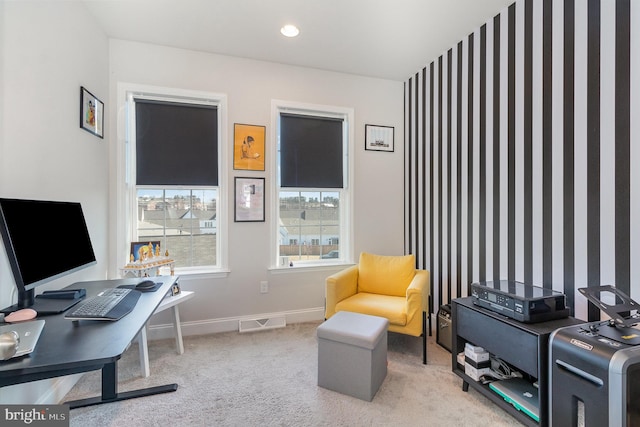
264	287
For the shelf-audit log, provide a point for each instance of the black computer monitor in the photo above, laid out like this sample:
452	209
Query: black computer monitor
44	240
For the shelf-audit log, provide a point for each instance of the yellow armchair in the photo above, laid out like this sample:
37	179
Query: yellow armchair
384	286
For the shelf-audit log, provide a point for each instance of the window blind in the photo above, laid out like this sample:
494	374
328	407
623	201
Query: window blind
176	143
311	151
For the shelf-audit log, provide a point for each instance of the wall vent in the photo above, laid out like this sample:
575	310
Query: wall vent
249	325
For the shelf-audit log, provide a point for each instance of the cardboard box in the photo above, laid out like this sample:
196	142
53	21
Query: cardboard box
478	365
475	373
475	353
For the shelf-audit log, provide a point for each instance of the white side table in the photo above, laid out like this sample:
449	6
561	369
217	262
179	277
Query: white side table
168	301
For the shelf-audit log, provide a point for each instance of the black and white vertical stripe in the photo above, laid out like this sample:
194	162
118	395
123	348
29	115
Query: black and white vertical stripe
519	151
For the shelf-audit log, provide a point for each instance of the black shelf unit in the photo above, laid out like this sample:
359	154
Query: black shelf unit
523	345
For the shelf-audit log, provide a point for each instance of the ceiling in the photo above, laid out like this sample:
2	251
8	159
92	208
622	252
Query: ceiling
389	39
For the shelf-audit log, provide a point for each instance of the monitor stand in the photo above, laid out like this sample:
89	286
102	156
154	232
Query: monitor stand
618	306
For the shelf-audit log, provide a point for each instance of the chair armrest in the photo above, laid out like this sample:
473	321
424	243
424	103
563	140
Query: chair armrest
418	291
339	286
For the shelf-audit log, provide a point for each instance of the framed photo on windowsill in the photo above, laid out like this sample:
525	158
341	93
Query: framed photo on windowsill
378	138
249	200
91	113
143	251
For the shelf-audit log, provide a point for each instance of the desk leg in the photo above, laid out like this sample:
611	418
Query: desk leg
144	351
110	381
177	329
110	390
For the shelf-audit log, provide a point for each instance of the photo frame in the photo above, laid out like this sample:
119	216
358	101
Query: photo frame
142	251
91	113
379	138
249	200
248	147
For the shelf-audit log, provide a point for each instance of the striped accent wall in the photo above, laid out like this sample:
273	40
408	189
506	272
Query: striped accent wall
519	146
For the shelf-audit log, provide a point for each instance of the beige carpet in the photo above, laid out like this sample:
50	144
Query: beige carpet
269	378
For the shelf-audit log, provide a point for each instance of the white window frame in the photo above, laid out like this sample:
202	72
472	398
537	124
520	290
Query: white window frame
125	197
346	205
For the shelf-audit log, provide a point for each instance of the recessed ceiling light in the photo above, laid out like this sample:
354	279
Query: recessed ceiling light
289	30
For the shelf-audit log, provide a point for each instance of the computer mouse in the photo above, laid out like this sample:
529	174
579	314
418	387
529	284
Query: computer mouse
145	285
21	315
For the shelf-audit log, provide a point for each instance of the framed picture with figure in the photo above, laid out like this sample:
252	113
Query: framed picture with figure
248	147
91	113
144	251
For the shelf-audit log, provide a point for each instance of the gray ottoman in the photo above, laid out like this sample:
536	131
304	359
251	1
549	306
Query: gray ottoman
352	354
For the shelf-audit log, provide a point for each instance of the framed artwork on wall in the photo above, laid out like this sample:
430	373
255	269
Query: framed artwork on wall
248	147
378	138
91	113
249	200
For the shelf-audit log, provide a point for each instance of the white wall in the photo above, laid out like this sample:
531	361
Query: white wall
49	50
250	86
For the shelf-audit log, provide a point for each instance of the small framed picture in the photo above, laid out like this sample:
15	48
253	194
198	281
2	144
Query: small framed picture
378	138
143	251
91	113
248	147
249	206
175	289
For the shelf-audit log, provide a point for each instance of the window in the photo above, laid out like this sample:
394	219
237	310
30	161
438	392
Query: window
175	175
183	220
312	184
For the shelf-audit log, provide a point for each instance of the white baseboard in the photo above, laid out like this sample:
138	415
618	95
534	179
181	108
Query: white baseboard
230	324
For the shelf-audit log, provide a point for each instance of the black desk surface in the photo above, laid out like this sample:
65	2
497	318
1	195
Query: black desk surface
68	347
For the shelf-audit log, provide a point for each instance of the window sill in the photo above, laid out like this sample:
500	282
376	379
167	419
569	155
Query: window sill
310	267
201	273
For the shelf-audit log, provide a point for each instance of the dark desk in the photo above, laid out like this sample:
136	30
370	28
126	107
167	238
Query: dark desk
69	347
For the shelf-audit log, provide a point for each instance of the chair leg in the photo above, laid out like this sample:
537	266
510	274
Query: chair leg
424	338
430	311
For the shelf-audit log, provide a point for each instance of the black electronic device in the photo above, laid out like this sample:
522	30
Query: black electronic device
63	294
525	303
145	285
443	331
597	364
32	231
